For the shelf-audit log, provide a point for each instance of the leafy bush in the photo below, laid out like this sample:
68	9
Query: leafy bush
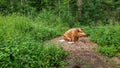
107	37
91	12
108	51
26	53
22	42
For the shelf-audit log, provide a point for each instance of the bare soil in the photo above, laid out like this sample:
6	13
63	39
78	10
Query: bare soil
83	55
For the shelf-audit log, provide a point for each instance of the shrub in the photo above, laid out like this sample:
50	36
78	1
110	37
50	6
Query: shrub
22	42
107	37
26	53
92	12
108	51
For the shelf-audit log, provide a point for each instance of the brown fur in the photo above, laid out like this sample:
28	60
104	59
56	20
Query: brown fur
73	34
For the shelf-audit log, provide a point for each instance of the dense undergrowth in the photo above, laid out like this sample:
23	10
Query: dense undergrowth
22	37
22	40
107	38
27	24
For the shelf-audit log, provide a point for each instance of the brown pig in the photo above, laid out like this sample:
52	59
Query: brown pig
73	34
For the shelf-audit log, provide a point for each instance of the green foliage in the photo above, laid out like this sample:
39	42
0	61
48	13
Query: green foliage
111	10
107	37
21	41
29	54
108	51
91	12
49	24
97	11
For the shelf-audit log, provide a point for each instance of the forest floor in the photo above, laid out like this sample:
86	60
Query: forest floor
83	54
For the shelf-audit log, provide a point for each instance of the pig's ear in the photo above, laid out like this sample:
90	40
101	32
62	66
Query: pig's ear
81	28
78	30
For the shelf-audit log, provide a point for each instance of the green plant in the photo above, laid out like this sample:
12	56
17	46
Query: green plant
107	38
108	51
22	42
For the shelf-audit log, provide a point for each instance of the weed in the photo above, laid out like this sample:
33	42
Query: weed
22	42
107	37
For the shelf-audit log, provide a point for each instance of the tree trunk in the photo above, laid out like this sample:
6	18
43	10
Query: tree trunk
68	7
23	2
78	12
59	7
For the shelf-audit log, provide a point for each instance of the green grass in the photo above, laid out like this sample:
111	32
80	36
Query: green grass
107	37
22	37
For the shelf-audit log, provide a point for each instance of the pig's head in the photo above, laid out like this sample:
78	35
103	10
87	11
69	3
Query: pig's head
80	32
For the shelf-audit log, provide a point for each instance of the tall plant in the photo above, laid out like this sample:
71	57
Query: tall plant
91	12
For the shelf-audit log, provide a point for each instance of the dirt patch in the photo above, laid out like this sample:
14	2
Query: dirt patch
83	55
